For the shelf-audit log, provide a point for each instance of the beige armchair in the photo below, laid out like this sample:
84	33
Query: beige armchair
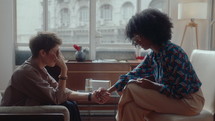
34	113
204	63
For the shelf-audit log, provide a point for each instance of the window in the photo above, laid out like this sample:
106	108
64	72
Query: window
127	10
65	17
106	12
97	25
29	21
84	14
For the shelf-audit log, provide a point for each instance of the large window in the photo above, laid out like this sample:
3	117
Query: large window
97	25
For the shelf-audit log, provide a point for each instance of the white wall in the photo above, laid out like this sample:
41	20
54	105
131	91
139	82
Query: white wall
6	42
189	39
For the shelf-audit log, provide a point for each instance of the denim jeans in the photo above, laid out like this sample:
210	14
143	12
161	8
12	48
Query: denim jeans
73	110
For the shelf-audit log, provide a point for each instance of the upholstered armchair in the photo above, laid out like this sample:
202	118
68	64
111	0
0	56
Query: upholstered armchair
34	113
204	63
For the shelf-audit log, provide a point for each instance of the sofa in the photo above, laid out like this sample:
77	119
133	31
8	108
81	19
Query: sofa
203	62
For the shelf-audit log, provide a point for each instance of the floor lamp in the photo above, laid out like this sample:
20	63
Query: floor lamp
192	11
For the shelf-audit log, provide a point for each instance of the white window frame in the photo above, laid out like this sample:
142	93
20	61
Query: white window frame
211	15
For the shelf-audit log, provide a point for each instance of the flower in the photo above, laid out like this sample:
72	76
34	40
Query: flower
140	57
78	48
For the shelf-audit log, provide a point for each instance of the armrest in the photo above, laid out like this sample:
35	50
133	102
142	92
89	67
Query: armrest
48	111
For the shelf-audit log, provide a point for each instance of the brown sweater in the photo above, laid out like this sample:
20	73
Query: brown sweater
30	85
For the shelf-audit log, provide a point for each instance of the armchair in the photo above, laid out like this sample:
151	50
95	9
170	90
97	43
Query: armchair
34	113
203	63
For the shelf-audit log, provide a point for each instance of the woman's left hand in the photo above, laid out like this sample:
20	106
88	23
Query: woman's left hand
101	96
146	83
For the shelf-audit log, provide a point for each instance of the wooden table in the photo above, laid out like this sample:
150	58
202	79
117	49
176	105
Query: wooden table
79	71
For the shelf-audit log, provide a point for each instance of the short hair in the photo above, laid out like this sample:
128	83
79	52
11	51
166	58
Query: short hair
151	24
43	41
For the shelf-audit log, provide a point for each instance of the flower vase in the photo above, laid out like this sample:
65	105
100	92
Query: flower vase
80	56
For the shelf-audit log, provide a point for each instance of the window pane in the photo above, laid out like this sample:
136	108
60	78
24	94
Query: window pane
70	20
29	20
111	20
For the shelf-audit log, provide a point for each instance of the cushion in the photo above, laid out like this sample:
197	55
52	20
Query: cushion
203	116
35	110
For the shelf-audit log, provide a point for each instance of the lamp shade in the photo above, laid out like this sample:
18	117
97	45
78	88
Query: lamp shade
192	10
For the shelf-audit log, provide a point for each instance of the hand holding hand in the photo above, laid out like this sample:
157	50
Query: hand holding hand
101	96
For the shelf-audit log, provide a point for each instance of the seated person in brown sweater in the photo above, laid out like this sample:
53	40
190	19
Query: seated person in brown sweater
32	85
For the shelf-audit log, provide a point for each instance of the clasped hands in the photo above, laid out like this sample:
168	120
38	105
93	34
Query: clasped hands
100	95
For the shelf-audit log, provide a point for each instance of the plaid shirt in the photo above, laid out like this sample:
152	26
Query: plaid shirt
170	68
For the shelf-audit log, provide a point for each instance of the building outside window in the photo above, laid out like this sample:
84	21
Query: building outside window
73	20
106	12
64	17
84	14
127	10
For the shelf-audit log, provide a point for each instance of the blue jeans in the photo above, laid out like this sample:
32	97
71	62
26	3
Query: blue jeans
73	110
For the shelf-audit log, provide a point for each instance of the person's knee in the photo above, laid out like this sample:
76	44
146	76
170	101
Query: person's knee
131	86
129	106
